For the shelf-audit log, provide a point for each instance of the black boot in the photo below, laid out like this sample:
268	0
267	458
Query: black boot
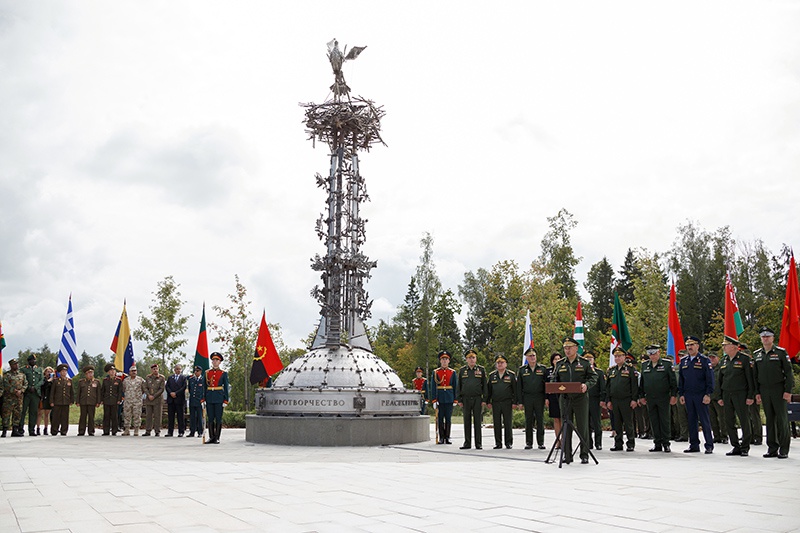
15	432
4	434
45	431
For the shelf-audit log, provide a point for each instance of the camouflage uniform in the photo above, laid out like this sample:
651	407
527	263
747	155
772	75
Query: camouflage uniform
154	386
14	385
132	391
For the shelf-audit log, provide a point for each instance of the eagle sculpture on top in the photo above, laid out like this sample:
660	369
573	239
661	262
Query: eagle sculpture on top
337	58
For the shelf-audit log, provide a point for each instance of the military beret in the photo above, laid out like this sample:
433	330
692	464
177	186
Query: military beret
444	353
217	355
729	340
31	358
691	339
499	357
766	331
569	341
198	368
61	367
108	367
12	361
88	368
418	369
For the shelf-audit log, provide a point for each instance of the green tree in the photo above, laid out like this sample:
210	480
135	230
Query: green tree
558	256
552	316
444	315
429	289
600	284
477	329
163	330
44	357
629	272
408	313
647	313
387	339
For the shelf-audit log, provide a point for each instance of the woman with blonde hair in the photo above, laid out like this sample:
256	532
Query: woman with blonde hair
44	404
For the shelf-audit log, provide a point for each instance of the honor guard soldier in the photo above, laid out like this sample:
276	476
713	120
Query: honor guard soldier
216	388
773	382
658	392
420	383
501	393
61	397
132	392
738	390
196	395
88	399
530	393
715	409
443	392
14	385
695	386
575	406
597	401
154	385
111	393
32	396
471	397
621	397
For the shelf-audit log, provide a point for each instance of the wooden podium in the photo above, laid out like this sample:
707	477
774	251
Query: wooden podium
563	387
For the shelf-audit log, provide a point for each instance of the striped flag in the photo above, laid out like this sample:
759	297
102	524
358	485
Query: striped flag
66	353
733	319
528	342
2	345
675	342
201	352
578	335
122	344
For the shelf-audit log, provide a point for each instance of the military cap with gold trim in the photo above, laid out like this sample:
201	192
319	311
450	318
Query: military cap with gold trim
500	356
444	353
569	341
691	339
729	340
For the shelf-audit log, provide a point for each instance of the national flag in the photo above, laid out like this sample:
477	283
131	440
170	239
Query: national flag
733	319
578	334
122	345
66	353
2	345
266	360
620	336
201	352
527	344
790	325
675	342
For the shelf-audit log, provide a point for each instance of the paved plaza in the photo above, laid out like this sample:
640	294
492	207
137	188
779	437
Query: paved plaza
109	484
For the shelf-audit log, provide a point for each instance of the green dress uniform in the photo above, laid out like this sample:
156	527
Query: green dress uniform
715	411
14	386
737	386
153	386
659	384
680	419
88	400
501	393
111	393
471	393
530	393
623	388
773	377
61	398
597	394
33	395
575	406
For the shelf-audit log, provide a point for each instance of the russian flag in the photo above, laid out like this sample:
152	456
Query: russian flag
675	342
528	342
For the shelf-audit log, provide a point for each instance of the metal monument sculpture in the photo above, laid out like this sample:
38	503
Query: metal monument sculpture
340	376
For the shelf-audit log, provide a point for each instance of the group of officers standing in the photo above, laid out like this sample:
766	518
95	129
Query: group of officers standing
46	395
730	388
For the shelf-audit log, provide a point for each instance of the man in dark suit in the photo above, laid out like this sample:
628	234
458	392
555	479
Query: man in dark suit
176	402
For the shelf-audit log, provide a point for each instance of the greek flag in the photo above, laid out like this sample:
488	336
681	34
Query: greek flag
66	354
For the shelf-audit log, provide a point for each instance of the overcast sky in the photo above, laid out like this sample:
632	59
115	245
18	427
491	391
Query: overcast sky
146	139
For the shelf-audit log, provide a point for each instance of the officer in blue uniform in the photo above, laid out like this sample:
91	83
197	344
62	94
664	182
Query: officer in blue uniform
196	394
695	386
215	385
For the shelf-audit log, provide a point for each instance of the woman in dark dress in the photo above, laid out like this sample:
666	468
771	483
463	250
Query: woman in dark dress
551	400
44	406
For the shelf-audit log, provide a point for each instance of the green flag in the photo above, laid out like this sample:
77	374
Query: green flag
620	336
201	352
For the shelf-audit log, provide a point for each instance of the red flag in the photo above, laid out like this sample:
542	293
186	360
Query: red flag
266	360
790	325
733	320
675	342
201	352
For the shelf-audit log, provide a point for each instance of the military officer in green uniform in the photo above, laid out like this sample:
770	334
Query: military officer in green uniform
754	410
658	392
471	396
715	409
597	401
621	397
737	388
33	395
531	378
61	397
575	406
774	381
501	393
680	418
88	399
14	385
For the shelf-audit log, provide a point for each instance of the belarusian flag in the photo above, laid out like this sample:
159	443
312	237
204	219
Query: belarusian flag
790	325
578	335
733	320
201	352
620	336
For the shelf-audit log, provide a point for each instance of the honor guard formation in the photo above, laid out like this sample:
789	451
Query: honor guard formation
45	396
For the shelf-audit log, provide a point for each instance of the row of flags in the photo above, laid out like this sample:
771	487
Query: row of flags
266	360
733	327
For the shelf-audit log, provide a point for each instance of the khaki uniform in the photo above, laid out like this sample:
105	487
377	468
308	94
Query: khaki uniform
154	386
88	400
14	385
132	391
61	397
